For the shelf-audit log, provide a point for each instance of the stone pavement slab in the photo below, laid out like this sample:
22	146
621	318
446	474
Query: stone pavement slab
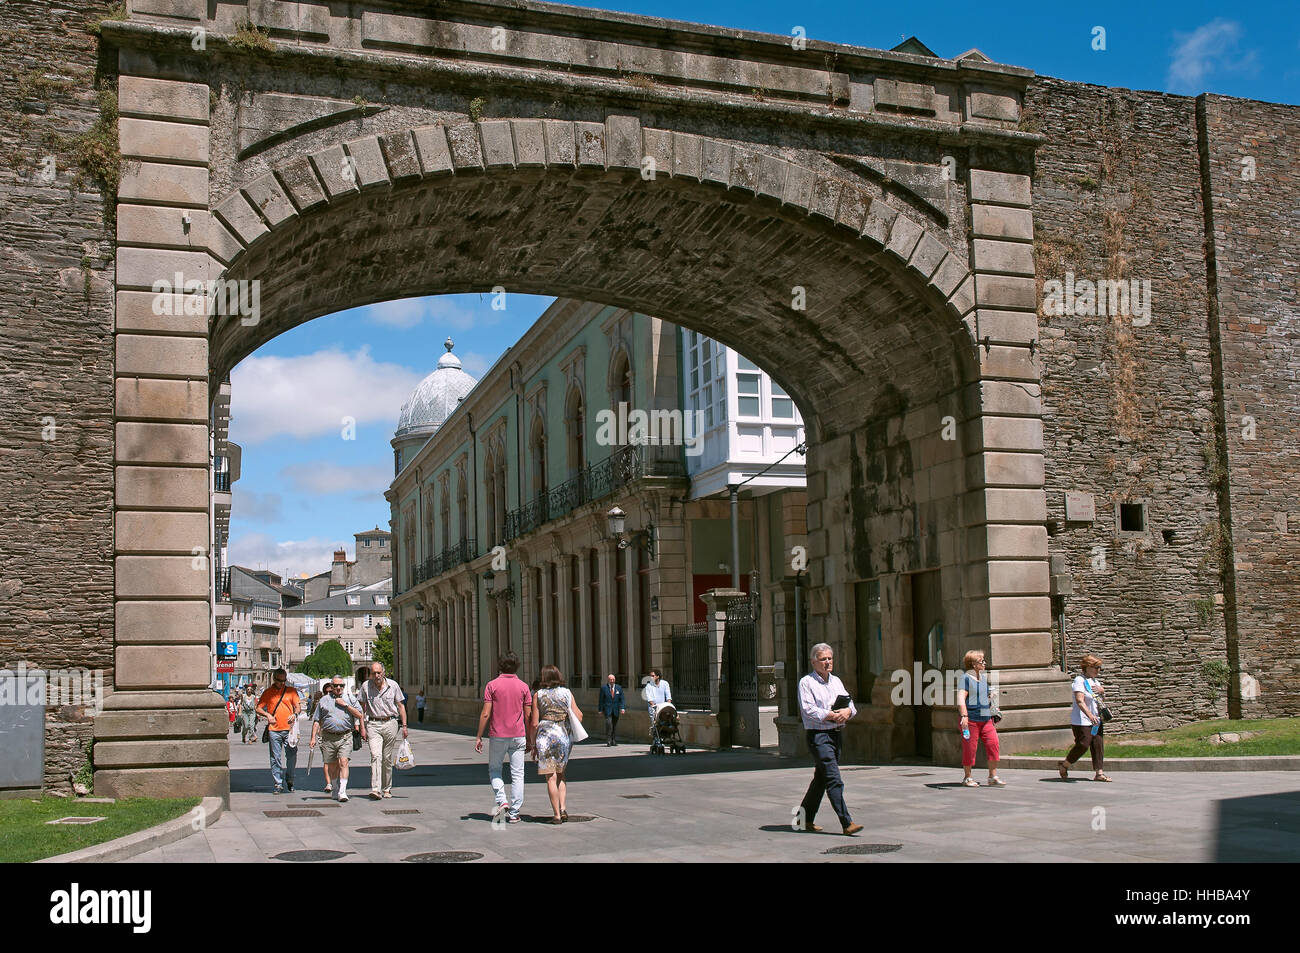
736	807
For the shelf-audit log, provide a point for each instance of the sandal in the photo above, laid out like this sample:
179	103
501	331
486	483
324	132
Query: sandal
556	820
969	783
996	782
1102	776
564	815
1064	768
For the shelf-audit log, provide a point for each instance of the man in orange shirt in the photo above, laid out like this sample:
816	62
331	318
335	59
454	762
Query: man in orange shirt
280	705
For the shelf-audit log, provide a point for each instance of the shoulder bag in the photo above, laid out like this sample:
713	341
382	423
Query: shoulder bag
576	731
266	732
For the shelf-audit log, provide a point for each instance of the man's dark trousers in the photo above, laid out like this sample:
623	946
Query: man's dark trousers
825	749
611	725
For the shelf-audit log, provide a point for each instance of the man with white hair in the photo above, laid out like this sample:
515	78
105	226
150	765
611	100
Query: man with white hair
826	707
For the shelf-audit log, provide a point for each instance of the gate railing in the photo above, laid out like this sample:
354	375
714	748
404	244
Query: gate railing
690	670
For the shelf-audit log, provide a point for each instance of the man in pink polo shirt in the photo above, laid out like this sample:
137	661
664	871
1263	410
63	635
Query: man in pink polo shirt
507	706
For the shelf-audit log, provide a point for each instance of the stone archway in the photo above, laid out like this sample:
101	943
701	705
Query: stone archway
905	334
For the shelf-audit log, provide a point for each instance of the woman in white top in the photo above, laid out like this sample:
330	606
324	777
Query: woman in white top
1085	718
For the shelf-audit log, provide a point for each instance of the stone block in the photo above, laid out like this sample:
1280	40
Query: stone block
744	171
163	577
151	399
963	299
825	199
175	9
170	487
222	245
657	144
798	187
146	311
999	578
162	184
1003	327
852	209
498	144
183	444
187	781
927	255
998	105
466	147
160	533
1011	258
143	267
715	162
1013	614
335	171
367	161
152	355
903	237
951	273
265	194
687	162
1009	363
237	212
434	152
1007	542
298	19
1003	291
772	175
622	142
530	143
162	723
1007	398
1001	188
1006	505
162	98
148	754
879	221
997	221
154	139
992	468
160	226
561	143
1005	433
301	184
590	139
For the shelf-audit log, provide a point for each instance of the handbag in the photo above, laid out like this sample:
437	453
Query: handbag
576	731
238	726
266	732
356	740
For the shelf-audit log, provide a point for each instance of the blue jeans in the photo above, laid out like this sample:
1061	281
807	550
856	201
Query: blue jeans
499	750
282	756
825	748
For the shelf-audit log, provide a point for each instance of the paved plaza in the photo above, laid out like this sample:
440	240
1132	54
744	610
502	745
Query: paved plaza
735	806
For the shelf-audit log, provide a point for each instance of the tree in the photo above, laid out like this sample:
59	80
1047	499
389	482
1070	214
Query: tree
329	659
382	651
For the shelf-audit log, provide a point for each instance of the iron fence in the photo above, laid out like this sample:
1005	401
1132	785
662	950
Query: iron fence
690	670
447	560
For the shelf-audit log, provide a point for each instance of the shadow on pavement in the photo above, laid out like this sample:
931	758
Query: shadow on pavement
1261	828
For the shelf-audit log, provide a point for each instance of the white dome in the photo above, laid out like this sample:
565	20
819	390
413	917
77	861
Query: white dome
432	402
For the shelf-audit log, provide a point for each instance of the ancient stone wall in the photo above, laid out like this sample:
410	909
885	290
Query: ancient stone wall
1252	169
56	358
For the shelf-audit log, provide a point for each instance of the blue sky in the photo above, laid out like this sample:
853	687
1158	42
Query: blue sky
305	488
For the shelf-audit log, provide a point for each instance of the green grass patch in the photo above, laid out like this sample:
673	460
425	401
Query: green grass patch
25	836
1269	736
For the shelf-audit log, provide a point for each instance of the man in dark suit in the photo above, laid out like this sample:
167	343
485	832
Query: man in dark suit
612	704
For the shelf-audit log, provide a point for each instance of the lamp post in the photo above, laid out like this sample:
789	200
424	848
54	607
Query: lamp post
617	524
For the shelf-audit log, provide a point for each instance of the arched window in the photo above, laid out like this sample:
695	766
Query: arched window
500	487
429	537
620	383
490	495
575	426
462	506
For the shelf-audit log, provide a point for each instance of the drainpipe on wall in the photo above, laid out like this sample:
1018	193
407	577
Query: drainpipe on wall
734	490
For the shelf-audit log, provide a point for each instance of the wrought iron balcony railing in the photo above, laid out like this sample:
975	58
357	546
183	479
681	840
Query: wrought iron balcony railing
221	481
447	560
595	482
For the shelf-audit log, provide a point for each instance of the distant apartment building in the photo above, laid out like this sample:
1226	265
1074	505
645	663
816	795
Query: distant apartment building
374	562
351	616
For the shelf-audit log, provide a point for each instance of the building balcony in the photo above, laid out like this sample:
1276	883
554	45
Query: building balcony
623	467
463	552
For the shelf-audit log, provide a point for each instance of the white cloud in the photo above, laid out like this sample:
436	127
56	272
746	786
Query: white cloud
455	313
310	395
1208	49
261	551
319	478
475	364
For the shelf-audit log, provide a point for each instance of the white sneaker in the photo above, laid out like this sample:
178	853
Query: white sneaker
329	789
343	798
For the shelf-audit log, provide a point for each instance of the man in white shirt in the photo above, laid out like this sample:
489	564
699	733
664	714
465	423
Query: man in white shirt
382	701
823	721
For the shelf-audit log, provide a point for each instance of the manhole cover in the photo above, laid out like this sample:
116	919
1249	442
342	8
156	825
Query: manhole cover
633	797
865	849
394	829
919	774
443	857
77	820
404	810
295	812
311	856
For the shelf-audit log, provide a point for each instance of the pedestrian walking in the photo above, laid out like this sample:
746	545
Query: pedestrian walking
332	725
280	705
612	704
381	700
826	707
248	710
550	737
657	691
232	709
975	706
507	708
419	705
1086	720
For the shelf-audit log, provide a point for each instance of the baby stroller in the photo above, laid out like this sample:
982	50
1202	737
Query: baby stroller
664	733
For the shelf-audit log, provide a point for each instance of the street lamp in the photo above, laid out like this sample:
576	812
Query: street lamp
617	520
489	580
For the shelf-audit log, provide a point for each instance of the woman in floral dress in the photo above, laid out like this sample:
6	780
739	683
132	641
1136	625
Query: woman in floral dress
549	736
